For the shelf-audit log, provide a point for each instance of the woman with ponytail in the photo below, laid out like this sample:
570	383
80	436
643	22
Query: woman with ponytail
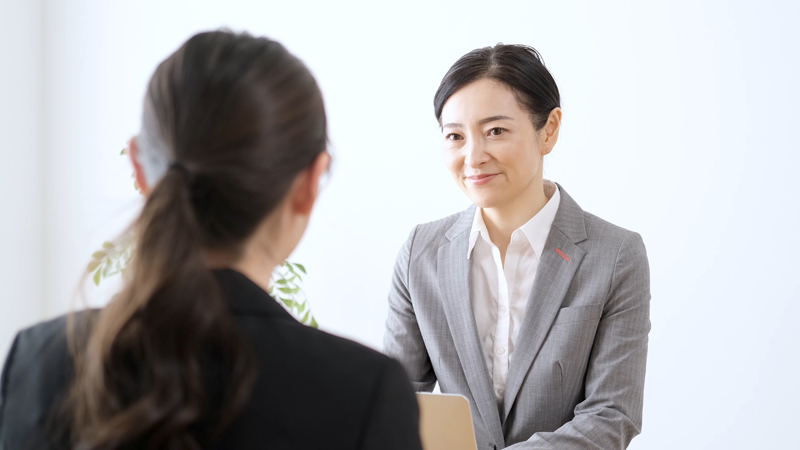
193	353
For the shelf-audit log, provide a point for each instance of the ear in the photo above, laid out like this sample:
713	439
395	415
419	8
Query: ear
141	180
306	188
550	131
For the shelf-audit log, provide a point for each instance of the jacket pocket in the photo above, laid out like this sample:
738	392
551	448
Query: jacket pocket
578	314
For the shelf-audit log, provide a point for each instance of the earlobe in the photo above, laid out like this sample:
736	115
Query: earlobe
551	129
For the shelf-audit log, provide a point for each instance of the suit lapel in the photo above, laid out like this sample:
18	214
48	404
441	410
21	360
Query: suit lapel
553	278
454	284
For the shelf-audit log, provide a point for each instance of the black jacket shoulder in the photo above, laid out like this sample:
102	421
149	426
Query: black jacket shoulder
313	391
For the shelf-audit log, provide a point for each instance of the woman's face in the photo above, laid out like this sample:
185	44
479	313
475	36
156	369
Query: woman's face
490	145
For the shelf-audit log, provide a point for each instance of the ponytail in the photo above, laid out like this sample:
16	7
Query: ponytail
243	117
141	380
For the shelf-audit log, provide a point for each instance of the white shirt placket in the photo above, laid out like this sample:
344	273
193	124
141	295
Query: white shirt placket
499	295
501	336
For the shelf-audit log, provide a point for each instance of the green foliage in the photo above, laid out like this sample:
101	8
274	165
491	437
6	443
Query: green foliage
285	287
285	284
111	259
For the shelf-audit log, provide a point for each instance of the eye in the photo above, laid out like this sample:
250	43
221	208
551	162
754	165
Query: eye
453	137
497	131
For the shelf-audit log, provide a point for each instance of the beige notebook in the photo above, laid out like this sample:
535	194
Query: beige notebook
445	422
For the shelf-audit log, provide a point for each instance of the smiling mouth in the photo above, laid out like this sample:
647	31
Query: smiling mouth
479	180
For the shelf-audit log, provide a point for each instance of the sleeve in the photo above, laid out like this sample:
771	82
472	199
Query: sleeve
4	391
35	378
393	419
611	414
403	339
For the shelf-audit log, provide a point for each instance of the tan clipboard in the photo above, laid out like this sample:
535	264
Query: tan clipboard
445	422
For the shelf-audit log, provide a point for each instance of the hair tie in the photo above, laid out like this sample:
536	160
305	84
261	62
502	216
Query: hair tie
177	165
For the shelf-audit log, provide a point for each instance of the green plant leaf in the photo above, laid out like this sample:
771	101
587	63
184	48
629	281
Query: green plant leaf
96	277
302	269
313	323
305	318
108	245
288	302
108	266
281	281
99	254
92	266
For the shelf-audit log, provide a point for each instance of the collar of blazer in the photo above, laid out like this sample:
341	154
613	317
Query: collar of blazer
559	261
245	297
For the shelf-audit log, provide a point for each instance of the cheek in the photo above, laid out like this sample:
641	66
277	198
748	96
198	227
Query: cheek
521	162
453	161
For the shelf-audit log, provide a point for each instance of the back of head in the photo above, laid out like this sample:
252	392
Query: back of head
519	67
229	121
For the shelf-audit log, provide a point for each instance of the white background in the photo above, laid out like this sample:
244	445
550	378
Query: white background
680	122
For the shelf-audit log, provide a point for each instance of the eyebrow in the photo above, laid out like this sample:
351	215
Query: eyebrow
481	122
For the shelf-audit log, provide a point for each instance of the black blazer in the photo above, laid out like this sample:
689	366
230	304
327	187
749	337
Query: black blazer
314	390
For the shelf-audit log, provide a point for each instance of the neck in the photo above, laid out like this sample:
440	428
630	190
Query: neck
258	270
262	252
501	221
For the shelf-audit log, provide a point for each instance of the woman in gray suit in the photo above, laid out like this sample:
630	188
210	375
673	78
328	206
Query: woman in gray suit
532	308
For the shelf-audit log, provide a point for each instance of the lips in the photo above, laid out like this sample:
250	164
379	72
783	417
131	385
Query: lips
480	180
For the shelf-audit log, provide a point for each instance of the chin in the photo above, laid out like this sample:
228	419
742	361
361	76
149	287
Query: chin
486	199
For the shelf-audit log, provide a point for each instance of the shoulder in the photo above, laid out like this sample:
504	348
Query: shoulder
36	375
439	227
313	352
331	382
40	353
432	235
328	387
602	240
39	344
601	230
613	246
607	234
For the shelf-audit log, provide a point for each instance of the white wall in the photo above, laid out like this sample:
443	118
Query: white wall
22	271
679	124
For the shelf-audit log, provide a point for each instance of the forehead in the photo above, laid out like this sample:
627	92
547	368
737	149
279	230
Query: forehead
480	99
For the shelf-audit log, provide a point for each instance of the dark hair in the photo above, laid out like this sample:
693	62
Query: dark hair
231	120
519	67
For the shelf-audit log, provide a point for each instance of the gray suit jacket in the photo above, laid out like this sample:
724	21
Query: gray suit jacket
576	378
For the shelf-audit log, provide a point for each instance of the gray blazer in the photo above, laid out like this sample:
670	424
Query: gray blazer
576	378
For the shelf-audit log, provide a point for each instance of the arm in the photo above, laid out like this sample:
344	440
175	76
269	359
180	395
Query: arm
403	339
393	418
611	414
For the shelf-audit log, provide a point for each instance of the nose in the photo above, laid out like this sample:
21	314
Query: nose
475	153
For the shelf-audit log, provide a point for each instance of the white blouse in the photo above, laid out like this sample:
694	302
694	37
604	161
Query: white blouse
500	294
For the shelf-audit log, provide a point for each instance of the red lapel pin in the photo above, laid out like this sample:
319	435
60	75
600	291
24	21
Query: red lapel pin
562	254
